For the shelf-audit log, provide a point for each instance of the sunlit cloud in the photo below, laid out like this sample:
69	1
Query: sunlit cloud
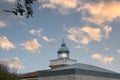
93	33
36	32
32	45
14	63
5	43
85	40
2	24
97	56
107	30
102	11
49	40
88	34
100	57
63	6
76	35
11	1
84	35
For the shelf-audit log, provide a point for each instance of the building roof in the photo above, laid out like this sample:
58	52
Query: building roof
82	69
31	74
85	67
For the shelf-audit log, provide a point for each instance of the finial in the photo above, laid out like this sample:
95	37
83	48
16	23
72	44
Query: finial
63	44
63	40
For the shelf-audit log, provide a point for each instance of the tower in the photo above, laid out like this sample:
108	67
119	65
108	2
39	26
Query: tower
63	58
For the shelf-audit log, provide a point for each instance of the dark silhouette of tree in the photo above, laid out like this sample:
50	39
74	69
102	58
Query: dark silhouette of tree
22	7
7	74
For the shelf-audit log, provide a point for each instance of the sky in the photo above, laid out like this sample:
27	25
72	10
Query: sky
90	29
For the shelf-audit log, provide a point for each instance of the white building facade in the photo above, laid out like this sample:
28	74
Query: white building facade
64	68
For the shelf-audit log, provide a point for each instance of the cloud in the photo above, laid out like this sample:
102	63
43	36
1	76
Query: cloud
49	41
77	47
118	51
84	35
63	6
106	48
2	24
102	11
76	35
102	58
82	47
107	30
32	45
36	32
11	1
12	63
97	56
85	40
93	33
5	43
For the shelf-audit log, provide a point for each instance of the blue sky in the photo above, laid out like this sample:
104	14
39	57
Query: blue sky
90	29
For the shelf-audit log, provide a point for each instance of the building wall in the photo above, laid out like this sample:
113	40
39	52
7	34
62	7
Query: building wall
75	77
62	77
86	77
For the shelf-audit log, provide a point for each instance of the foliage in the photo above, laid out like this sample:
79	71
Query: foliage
7	74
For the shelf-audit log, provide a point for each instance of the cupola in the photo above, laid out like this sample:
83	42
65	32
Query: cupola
63	52
63	58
